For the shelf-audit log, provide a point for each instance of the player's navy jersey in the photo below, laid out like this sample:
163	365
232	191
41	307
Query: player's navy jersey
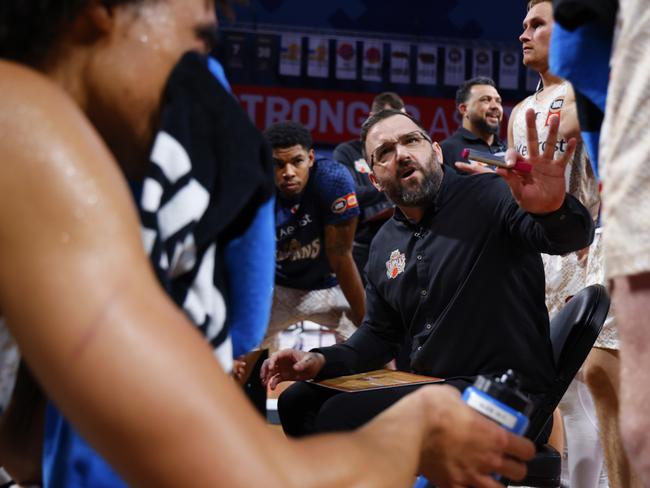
328	198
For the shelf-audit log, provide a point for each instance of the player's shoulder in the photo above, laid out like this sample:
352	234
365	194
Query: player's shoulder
29	93
520	105
327	171
333	187
569	94
49	147
36	114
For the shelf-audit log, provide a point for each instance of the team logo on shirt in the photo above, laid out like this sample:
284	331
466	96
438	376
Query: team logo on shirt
554	109
342	204
395	264
361	166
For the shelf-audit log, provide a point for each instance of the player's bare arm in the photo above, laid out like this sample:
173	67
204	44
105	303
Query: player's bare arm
338	248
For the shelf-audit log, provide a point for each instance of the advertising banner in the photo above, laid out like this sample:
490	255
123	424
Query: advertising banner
482	63
454	65
373	60
235	50
318	58
336	116
400	62
509	63
346	58
265	55
290	54
427	64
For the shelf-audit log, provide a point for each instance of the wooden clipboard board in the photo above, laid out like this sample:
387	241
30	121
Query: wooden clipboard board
376	380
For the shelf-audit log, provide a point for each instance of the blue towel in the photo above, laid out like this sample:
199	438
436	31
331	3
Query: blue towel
250	262
69	462
580	50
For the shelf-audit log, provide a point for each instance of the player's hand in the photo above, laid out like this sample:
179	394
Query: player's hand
463	448
239	369
291	365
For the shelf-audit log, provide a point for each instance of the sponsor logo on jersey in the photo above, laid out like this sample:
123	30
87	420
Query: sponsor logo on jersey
293	251
395	264
289	230
347	202
285	231
554	109
560	147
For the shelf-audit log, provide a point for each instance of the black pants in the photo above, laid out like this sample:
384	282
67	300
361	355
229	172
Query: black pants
305	408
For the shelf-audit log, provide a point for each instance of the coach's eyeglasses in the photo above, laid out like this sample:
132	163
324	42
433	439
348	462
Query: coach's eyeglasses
385	153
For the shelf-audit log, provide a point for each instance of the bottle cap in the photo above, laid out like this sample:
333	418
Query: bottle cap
505	388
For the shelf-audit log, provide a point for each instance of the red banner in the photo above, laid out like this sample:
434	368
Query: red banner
335	116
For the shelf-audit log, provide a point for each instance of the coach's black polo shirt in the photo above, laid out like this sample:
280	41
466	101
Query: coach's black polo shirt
465	286
462	139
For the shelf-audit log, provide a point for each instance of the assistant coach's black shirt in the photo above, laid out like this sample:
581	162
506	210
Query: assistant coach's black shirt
464	286
465	139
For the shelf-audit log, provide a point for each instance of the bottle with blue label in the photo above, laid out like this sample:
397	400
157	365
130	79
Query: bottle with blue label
501	400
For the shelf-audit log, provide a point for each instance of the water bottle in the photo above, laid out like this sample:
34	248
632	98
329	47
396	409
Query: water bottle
500	399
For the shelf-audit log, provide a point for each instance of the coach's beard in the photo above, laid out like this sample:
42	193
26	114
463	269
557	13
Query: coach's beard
421	195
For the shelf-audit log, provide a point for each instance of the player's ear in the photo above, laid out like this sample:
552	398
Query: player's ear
102	15
96	21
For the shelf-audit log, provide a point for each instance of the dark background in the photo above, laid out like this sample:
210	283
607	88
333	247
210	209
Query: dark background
498	20
250	46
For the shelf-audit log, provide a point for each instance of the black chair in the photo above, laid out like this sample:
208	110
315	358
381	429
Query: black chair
573	333
251	382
